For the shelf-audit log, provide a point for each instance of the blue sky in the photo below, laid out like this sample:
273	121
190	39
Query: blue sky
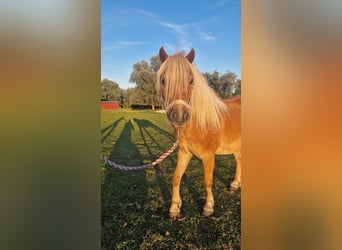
134	30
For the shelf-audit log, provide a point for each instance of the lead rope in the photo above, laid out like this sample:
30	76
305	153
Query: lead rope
127	168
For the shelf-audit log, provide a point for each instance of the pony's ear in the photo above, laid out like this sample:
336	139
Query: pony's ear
191	55
162	54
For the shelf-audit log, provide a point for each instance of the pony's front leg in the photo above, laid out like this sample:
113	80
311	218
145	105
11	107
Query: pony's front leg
208	165
182	162
237	179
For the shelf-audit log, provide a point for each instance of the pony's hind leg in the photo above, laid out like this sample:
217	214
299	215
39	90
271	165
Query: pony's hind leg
237	179
182	163
208	165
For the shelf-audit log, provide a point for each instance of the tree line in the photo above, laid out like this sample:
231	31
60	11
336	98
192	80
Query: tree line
144	94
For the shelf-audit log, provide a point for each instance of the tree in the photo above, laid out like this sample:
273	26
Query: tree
238	87
145	79
110	91
213	80
128	93
225	85
228	83
155	63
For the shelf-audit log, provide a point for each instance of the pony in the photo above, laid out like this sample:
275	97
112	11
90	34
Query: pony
204	124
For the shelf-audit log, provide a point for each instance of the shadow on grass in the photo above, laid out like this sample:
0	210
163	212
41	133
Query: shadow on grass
109	129
225	166
144	125
123	194
196	196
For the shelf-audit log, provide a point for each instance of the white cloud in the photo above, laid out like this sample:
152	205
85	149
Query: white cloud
184	33
184	42
221	3
179	30
147	13
206	36
122	44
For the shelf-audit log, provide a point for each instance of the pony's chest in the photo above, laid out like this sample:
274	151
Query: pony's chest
199	144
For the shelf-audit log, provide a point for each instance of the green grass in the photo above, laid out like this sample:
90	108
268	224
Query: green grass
135	203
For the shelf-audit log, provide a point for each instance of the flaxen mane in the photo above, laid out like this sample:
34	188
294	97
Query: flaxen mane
206	108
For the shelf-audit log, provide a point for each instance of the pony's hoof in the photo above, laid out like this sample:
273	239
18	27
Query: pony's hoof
174	210
174	214
234	186
207	211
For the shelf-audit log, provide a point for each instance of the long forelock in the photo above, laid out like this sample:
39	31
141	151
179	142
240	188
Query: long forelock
175	70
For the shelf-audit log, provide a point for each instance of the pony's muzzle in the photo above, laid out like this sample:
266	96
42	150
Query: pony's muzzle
178	114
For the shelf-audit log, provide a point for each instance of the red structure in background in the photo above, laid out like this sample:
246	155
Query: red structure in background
110	105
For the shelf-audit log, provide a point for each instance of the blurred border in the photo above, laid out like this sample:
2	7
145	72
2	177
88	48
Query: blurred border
50	124
292	137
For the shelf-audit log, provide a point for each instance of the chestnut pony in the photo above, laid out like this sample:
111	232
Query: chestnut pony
204	124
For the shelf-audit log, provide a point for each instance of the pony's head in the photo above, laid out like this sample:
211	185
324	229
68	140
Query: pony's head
186	94
175	82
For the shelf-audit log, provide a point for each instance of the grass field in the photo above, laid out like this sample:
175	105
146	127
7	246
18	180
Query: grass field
135	203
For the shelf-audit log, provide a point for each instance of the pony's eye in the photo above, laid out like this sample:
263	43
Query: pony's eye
162	81
191	81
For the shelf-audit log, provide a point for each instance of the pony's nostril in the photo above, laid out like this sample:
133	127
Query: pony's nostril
185	115
174	115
